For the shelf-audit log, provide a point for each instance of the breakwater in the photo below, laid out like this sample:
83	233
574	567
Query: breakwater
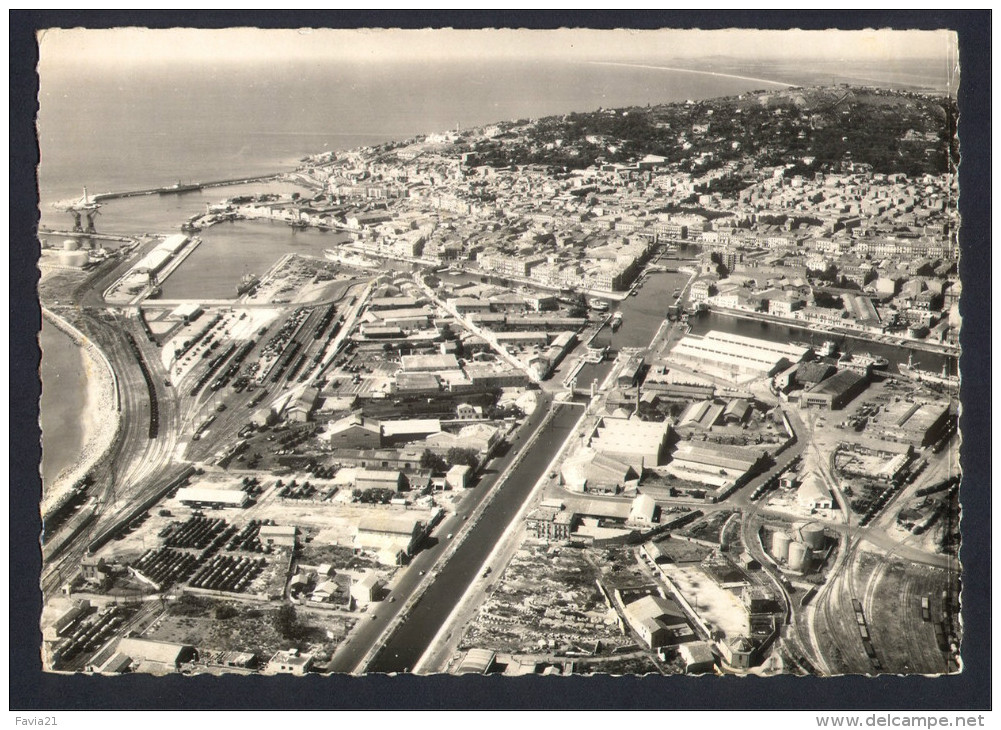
181	189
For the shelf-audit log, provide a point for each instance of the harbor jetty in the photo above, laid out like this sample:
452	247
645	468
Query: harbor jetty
185	188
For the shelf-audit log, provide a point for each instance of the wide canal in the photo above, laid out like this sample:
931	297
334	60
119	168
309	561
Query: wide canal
410	640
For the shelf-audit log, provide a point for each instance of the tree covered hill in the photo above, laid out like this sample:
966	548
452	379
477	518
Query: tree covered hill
815	129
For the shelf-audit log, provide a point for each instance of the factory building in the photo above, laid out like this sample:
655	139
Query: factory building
379	479
671	383
702	415
390	533
835	392
156	657
918	423
658	622
713	464
637	443
643	510
407	430
354	432
744	354
598	473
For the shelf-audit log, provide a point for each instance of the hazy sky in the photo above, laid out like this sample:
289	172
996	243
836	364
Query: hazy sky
129	46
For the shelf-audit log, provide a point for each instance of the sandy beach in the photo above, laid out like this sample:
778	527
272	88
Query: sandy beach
100	417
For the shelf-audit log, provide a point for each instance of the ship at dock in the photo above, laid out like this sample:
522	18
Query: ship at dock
863	360
616	321
247	283
178	188
910	370
598	305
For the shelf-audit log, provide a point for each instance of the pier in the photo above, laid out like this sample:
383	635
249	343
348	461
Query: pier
181	189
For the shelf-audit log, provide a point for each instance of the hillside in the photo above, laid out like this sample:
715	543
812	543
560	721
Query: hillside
816	129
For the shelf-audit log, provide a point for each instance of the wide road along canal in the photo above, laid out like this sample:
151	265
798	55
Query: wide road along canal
410	640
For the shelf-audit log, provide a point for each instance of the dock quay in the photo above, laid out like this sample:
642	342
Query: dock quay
80	234
180	189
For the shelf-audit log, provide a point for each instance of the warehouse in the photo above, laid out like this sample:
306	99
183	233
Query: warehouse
354	432
596	473
409	429
745	354
918	423
643	510
677	384
429	363
637	443
701	415
379	479
208	497
835	392
281	535
157	656
713	464
390	532
657	620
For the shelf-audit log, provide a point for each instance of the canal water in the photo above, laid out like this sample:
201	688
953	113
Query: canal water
773	332
405	646
642	316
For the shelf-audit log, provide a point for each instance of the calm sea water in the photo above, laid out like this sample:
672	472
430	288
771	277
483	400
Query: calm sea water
64	396
135	128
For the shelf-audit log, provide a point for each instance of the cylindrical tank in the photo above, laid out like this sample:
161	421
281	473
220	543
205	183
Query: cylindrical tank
799	554
813	535
71	244
780	545
73	258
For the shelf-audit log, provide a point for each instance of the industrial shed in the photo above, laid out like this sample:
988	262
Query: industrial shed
835	392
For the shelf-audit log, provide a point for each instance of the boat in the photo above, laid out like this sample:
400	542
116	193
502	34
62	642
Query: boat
598	305
178	187
828	349
911	371
298	225
616	321
863	360
248	282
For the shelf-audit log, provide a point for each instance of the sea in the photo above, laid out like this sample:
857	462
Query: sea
113	129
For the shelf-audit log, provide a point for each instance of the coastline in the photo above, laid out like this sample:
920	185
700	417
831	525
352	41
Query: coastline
99	419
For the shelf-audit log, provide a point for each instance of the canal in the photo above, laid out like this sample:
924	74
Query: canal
774	332
405	646
642	316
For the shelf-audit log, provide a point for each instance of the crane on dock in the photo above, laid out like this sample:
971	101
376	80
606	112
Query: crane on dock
81	208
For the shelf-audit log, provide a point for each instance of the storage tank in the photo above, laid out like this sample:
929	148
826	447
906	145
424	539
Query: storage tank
71	244
813	535
780	545
73	258
799	554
